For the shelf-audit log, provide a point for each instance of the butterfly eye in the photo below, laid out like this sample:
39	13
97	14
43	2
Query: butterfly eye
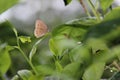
40	29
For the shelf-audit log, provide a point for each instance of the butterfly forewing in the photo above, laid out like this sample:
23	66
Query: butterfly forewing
40	29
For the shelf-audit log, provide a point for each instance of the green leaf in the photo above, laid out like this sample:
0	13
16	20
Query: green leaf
108	29
36	77
6	4
107	56
34	48
25	74
112	15
58	46
74	70
94	71
5	60
58	66
24	39
53	47
101	45
16	77
106	4
67	36
45	70
81	54
15	31
75	29
6	33
32	52
66	2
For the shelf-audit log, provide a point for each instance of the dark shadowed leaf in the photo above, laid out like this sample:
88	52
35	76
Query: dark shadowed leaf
116	76
66	2
109	28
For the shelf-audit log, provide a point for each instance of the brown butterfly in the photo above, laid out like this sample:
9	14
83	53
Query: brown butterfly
40	29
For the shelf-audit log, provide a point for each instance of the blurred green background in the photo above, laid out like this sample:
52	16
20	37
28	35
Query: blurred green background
22	14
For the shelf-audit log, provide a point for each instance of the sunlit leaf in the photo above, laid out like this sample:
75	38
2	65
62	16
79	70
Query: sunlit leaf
25	74
94	71
5	60
106	4
32	52
6	4
53	47
66	2
36	77
24	39
16	77
15	31
113	15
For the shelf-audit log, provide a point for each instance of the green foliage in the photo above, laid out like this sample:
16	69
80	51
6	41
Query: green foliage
82	49
72	70
5	60
45	70
53	47
74	29
6	4
23	74
94	71
106	4
58	66
24	39
34	48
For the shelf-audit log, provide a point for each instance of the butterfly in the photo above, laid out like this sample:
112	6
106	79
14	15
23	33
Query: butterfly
40	29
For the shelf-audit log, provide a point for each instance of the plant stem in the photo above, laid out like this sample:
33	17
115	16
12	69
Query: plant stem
84	7
19	48
30	63
116	65
95	12
26	58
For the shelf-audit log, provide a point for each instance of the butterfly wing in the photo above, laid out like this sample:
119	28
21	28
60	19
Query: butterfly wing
40	29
